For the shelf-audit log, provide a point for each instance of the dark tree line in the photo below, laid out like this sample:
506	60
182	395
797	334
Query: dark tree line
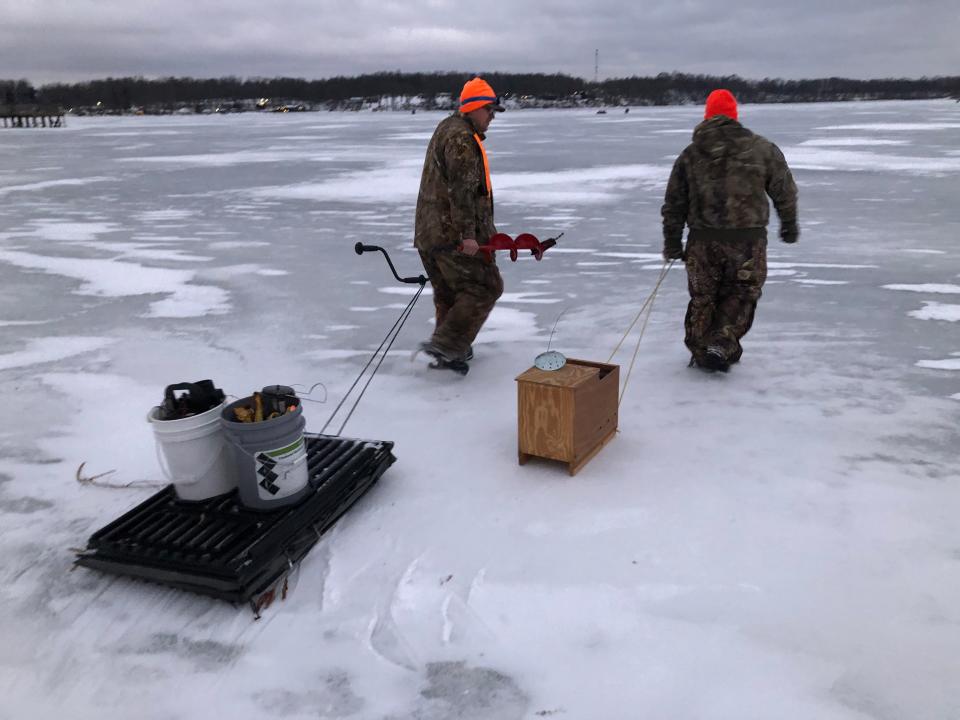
17	92
663	89
670	88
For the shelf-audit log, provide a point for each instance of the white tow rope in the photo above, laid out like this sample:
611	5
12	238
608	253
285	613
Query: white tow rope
648	307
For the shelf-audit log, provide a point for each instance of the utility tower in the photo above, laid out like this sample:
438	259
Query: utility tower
596	65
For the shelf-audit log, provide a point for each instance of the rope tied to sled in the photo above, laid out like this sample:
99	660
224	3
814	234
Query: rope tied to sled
391	335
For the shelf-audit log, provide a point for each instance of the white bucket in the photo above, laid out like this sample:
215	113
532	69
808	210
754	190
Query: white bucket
194	454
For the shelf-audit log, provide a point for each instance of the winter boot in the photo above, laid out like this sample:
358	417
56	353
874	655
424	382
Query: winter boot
442	360
715	359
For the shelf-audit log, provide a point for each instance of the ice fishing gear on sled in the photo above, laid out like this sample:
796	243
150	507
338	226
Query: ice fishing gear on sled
251	493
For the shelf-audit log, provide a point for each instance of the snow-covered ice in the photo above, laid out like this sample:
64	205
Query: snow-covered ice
778	542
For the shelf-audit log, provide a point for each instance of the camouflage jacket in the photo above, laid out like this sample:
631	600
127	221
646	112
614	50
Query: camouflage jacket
453	203
722	180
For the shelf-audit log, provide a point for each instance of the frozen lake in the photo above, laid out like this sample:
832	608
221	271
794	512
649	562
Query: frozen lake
777	542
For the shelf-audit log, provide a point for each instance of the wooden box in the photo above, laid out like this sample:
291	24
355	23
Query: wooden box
567	414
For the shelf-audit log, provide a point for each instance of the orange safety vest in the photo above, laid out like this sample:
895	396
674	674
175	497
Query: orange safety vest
486	164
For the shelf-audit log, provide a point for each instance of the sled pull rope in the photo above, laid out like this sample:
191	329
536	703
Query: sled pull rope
648	306
392	334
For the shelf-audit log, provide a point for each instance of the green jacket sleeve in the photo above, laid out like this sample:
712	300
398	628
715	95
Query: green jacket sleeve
675	205
781	188
464	170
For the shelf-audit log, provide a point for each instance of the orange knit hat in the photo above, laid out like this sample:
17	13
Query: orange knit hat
476	93
720	102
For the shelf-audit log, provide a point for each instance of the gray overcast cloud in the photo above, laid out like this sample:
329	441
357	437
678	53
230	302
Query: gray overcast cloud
71	40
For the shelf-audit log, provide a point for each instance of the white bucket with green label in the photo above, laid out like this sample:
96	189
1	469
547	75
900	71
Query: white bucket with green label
270	457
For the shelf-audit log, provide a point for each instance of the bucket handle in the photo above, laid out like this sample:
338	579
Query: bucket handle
165	468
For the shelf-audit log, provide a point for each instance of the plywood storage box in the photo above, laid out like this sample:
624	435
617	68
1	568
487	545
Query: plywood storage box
567	414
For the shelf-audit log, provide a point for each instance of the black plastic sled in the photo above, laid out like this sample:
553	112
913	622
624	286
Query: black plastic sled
219	548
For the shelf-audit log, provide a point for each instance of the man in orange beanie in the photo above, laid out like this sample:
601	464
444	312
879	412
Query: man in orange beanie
455	216
719	188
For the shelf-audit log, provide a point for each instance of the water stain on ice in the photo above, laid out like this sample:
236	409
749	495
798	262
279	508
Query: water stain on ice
204	654
455	690
24	505
331	696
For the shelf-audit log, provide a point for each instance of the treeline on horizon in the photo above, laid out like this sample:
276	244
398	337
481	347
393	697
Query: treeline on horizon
662	89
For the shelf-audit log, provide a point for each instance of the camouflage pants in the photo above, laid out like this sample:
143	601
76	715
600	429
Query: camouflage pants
726	270
465	290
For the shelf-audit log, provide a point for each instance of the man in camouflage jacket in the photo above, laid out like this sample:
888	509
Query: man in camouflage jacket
719	188
455	216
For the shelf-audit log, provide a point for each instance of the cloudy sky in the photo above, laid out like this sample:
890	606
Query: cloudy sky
70	40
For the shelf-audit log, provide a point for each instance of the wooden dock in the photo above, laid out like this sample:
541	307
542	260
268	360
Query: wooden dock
26	116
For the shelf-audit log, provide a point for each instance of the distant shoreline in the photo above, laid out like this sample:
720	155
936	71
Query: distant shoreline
438	91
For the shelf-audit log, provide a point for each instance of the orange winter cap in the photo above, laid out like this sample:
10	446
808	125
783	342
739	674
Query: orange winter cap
720	102
476	93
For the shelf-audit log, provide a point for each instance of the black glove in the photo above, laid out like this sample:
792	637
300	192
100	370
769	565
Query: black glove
672	252
789	232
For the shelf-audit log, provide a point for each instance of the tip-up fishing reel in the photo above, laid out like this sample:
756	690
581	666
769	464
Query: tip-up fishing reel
551	359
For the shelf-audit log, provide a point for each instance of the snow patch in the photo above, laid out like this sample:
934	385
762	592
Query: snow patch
851	142
532	298
809	158
111	278
152	216
582	186
505	325
937	311
59	231
52	349
942	288
896	127
44	185
811	281
948	364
